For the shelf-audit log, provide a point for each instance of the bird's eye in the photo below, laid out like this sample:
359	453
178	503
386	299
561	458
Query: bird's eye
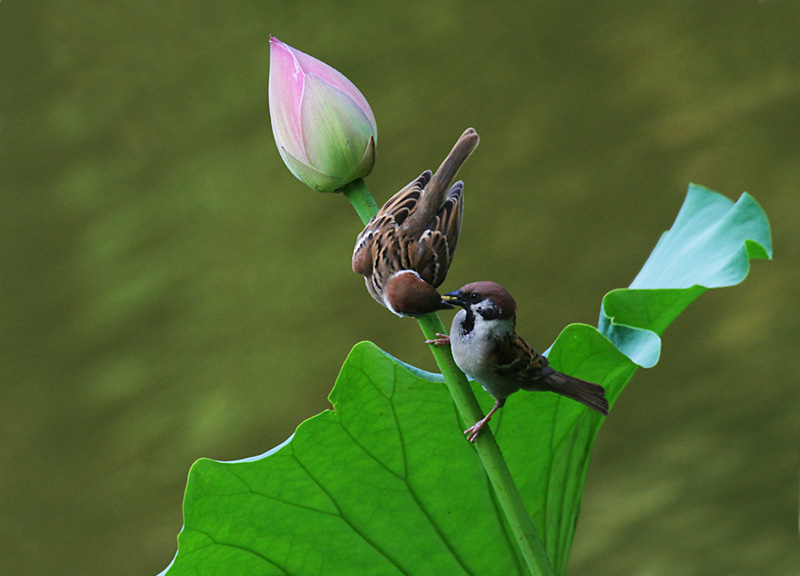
474	296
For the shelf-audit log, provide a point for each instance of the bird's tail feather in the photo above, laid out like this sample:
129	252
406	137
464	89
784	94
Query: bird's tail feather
587	393
447	171
436	189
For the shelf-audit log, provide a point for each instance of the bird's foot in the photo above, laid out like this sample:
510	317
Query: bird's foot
440	340
472	432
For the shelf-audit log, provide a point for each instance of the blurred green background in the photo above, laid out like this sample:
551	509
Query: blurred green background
169	291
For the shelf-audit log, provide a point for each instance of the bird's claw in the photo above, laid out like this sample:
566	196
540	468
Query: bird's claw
473	431
440	340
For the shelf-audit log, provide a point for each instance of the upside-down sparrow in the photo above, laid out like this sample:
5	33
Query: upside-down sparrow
405	250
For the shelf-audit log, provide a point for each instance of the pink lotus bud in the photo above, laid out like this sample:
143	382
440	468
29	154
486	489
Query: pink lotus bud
323	126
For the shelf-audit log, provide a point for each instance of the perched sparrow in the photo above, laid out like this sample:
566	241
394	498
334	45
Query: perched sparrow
406	249
486	348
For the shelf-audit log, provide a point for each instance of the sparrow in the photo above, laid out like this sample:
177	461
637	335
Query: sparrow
405	250
487	348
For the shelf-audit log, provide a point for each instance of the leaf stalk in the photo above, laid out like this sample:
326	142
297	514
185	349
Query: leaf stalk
470	411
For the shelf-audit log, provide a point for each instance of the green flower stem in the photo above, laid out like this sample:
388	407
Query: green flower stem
470	411
361	199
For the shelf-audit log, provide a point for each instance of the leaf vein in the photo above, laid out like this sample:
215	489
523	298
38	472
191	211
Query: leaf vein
243	549
350	523
428	516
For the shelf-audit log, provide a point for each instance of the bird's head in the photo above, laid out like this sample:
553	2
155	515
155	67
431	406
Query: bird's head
406	294
486	300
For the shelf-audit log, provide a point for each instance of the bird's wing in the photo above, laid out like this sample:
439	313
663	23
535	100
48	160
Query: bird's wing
381	229
515	358
435	248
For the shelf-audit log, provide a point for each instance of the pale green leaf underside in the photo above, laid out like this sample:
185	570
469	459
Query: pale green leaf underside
386	484
709	246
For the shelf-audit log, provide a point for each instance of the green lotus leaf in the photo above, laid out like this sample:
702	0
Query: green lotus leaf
385	483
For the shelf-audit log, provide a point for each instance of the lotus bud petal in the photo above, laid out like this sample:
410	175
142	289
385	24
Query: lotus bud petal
323	126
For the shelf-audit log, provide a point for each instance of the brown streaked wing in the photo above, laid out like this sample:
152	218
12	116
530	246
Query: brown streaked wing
448	220
405	201
436	246
392	214
514	357
362	259
431	257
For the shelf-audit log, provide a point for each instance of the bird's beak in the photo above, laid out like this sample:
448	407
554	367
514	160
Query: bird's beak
453	298
444	305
